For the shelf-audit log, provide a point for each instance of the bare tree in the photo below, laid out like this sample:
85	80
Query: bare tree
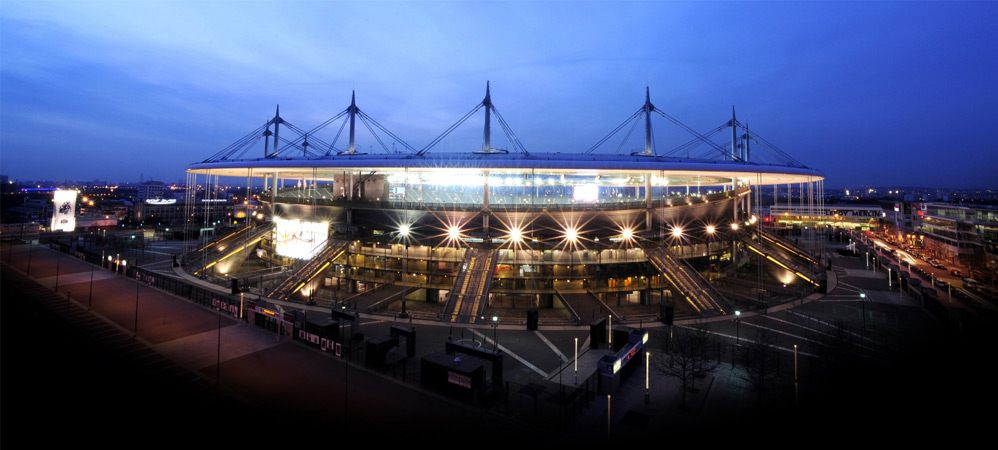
702	342
686	357
759	362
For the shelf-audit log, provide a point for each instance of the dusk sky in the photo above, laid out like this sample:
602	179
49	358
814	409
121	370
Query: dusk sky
882	93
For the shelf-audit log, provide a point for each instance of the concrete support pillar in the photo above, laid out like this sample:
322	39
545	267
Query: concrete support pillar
273	192
648	203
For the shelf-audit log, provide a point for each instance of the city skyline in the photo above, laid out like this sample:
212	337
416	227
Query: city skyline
868	92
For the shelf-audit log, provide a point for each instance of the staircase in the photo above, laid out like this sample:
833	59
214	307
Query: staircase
699	293
219	250
783	254
311	269
469	296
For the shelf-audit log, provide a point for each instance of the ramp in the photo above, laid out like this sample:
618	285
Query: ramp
699	293
232	244
792	250
586	307
376	298
469	296
783	255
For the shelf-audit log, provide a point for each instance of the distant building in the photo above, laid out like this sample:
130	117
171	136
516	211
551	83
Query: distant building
844	215
961	234
151	190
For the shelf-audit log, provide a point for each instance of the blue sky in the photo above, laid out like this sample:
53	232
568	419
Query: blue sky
888	93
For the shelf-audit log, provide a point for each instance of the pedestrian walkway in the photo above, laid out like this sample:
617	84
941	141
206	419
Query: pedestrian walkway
201	350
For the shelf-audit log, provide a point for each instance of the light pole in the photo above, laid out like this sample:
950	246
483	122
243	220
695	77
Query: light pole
862	301
738	315
795	363
495	335
90	295
608	414
29	257
576	361
136	327
609	331
58	260
403	234
647	377
796	390
218	350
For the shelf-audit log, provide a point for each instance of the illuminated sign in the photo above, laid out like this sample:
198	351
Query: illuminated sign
585	193
610	364
64	210
161	201
458	379
299	239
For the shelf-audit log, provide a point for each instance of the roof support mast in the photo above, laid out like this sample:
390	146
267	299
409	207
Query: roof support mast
277	127
648	108
352	149
487	103
734	135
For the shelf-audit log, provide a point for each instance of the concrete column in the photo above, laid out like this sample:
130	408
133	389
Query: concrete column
273	192
648	203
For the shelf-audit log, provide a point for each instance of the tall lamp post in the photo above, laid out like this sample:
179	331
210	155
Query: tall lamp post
495	333
647	377
135	329
58	260
738	315
218	349
403	233
862	301
90	295
576	361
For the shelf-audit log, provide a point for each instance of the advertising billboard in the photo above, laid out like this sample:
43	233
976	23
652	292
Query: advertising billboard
299	239
585	193
63	210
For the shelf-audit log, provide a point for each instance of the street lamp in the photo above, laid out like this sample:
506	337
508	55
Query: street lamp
738	315
576	360
495	336
515	235
58	259
572	235
454	233
627	234
647	377
710	229
90	295
862	301
135	329
677	234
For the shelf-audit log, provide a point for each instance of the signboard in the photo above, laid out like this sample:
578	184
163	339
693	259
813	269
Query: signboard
161	201
458	379
63	210
299	239
585	193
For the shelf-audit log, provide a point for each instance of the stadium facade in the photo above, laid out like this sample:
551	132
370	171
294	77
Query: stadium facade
461	237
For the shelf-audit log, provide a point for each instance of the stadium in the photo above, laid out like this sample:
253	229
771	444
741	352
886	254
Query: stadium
490	233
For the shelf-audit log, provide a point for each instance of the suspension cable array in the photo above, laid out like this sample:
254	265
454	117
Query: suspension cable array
308	143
